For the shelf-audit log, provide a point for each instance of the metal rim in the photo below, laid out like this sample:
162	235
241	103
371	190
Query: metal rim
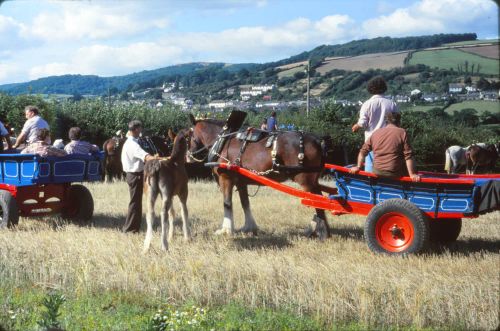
394	232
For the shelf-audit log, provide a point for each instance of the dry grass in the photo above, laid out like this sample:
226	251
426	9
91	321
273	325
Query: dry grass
339	280
383	61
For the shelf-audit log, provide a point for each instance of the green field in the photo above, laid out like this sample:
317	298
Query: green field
450	58
473	42
479	106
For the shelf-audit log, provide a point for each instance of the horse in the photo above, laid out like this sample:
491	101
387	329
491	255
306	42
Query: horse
456	158
485	157
167	177
154	145
303	164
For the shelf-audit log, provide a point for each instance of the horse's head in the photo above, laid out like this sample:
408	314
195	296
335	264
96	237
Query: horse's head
203	134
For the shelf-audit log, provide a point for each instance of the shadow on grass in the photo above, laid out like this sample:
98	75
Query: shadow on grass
107	221
262	241
467	247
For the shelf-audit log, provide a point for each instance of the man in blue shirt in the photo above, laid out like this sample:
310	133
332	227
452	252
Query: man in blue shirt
272	124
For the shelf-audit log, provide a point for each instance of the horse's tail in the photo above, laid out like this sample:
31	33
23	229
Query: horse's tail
447	165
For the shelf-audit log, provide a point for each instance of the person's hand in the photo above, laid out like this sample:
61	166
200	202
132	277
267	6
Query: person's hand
354	170
415	177
355	127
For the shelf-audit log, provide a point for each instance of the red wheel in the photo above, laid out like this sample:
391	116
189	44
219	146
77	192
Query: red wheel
394	232
396	226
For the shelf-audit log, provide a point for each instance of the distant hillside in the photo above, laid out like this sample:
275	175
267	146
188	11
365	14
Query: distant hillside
90	84
220	75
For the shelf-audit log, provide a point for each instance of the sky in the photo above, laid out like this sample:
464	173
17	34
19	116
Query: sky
108	38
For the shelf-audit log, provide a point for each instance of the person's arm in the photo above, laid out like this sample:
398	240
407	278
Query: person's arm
409	160
363	152
20	139
7	139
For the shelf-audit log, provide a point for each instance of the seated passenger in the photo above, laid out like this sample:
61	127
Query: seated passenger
77	146
41	147
391	149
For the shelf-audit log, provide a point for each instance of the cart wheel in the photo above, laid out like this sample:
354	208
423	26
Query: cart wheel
396	226
78	204
445	230
9	213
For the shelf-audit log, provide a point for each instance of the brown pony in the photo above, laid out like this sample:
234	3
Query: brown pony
112	158
478	156
167	177
258	157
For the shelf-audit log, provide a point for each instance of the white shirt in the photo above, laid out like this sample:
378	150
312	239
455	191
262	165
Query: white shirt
372	114
133	156
32	125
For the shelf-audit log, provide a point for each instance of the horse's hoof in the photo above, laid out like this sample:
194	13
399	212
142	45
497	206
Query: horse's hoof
248	230
223	231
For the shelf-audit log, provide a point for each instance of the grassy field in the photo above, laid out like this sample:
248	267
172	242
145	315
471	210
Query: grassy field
277	280
473	42
450	58
480	106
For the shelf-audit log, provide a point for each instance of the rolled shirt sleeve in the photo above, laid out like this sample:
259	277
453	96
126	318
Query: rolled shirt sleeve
366	148
139	153
407	150
363	116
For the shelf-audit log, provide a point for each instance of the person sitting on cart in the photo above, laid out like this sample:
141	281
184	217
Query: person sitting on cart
391	149
77	146
33	123
4	134
41	147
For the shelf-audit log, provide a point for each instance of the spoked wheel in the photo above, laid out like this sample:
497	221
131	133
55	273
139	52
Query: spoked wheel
78	204
396	226
9	213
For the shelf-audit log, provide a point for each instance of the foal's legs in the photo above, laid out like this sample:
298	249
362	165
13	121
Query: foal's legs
226	186
250	225
166	224
185	220
152	195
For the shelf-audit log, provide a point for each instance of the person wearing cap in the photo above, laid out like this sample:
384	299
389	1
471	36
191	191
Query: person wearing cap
373	112
133	158
34	122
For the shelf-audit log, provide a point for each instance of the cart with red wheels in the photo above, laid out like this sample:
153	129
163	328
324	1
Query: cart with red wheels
31	185
402	216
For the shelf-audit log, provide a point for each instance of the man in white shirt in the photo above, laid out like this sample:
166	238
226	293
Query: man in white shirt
31	126
133	158
373	111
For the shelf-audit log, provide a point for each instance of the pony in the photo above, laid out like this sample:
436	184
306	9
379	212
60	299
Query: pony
456	158
112	166
478	156
167	177
303	164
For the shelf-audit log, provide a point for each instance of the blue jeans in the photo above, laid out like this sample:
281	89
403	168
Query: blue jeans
369	162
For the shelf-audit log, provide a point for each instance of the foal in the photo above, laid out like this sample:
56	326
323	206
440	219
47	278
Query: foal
167	177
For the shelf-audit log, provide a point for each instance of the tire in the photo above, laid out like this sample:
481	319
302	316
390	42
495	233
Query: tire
9	212
78	204
396	227
445	230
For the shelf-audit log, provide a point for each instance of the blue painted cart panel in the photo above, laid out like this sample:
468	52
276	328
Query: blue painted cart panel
31	169
429	197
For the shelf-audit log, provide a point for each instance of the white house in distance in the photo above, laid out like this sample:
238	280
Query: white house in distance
455	87
248	91
220	104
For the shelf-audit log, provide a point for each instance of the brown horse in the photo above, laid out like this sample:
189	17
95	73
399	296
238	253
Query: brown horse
478	156
112	158
258	157
167	177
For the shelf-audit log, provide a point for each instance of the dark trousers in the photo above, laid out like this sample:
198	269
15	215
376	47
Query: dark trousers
135	181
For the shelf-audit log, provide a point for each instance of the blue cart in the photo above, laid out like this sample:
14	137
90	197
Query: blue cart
31	185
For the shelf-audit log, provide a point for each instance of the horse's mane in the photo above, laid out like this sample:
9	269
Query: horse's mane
212	121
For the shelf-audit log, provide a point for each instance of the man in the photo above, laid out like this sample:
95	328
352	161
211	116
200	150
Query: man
133	158
272	124
77	146
373	112
391	149
34	122
4	133
41	147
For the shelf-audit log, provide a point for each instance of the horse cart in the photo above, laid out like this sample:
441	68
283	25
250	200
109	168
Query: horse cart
402	216
31	185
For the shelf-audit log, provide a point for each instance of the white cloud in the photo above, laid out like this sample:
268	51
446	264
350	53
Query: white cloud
83	20
430	16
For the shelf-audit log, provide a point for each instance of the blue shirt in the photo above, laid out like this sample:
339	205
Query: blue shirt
271	124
